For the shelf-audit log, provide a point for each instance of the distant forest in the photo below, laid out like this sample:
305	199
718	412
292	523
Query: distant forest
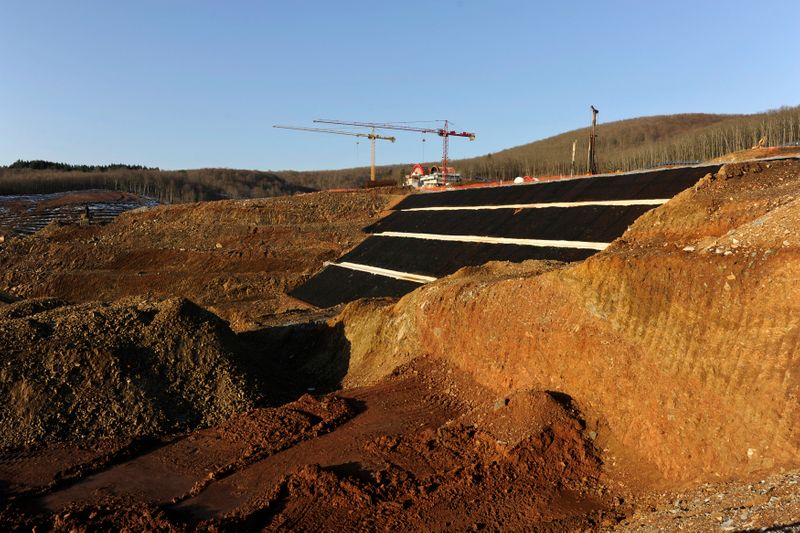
642	143
166	186
623	145
38	164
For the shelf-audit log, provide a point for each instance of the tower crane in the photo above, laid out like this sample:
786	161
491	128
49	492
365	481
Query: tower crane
445	133
371	136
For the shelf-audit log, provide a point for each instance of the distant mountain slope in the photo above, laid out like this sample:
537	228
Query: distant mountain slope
632	136
642	142
622	145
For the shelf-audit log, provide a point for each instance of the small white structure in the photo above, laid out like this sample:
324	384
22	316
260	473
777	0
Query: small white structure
434	177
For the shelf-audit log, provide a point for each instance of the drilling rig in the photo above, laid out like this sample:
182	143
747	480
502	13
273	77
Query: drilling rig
592	163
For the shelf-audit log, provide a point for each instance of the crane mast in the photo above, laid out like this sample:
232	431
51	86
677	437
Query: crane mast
445	133
371	136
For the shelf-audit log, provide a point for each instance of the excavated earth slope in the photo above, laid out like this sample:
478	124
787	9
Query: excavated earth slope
652	386
679	342
237	257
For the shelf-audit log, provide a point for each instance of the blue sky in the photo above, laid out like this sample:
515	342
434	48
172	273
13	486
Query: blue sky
188	84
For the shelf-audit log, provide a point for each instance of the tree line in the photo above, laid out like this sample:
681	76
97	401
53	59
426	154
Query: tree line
164	186
622	145
38	164
642	143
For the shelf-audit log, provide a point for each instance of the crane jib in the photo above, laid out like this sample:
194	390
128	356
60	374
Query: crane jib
444	133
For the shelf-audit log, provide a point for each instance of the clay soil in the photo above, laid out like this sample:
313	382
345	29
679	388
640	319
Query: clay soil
158	377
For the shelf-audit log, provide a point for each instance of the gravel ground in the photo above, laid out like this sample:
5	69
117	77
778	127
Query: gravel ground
768	504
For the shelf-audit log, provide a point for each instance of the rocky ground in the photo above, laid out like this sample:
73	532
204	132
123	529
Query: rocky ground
159	377
771	503
237	258
116	371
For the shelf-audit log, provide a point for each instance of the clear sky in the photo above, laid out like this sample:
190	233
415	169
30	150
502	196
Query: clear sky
188	84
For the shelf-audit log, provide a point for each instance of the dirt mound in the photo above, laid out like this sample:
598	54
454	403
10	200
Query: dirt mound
521	414
33	306
456	478
757	153
425	449
519	461
127	369
238	257
380	338
110	514
681	331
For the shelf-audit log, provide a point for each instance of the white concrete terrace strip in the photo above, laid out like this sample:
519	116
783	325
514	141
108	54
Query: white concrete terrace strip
396	274
659	201
497	240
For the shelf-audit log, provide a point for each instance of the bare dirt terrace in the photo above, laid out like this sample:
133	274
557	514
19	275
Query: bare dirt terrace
158	377
236	257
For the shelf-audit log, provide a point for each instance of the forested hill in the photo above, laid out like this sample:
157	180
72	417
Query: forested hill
622	145
627	145
166	186
642	142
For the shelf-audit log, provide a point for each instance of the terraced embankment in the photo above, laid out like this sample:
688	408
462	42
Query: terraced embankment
429	236
27	214
679	341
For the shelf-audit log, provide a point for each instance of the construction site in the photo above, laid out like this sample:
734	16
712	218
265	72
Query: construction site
609	351
399	266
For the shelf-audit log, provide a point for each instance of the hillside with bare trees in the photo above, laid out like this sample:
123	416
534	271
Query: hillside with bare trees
643	143
176	186
623	145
